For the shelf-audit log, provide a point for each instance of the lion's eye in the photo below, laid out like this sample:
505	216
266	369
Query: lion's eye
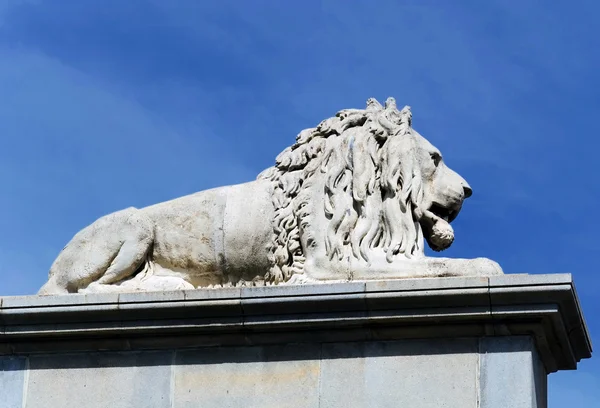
435	156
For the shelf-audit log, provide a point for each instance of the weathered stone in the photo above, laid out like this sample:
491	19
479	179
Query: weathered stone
488	373
426	344
412	285
399	374
523	279
512	374
276	376
100	380
353	311
152	297
354	198
61	300
12	377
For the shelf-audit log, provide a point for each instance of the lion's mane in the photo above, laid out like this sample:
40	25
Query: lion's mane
372	193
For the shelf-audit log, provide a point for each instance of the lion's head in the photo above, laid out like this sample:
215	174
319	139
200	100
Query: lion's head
385	188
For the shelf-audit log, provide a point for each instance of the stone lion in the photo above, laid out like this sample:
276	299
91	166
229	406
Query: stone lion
353	199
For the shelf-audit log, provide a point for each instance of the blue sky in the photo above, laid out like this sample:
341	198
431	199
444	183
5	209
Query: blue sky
108	104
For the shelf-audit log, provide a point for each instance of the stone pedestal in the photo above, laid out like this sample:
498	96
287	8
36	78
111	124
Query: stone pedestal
448	342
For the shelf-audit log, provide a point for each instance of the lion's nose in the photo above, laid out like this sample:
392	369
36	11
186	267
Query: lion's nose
467	190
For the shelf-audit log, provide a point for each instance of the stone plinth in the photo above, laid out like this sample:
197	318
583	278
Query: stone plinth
447	342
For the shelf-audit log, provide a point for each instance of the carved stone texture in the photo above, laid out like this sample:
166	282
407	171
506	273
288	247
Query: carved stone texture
354	198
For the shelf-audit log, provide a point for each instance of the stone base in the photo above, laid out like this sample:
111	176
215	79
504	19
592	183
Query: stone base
451	342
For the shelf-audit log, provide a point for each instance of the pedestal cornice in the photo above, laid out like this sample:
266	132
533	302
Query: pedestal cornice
542	306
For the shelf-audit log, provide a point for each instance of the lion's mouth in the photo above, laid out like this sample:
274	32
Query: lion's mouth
446	214
436	226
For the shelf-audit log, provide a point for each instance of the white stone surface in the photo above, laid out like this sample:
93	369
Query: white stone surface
12	377
251	377
354	198
419	374
429	343
100	380
512	374
410	308
443	373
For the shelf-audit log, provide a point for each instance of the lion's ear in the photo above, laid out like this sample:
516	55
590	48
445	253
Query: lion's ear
373	104
390	103
406	116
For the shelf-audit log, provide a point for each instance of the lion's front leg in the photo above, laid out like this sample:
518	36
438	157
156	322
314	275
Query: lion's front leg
321	268
461	267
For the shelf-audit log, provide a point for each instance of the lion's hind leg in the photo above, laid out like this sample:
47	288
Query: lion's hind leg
128	260
109	250
137	234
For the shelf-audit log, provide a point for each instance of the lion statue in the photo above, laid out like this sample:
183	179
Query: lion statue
354	198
